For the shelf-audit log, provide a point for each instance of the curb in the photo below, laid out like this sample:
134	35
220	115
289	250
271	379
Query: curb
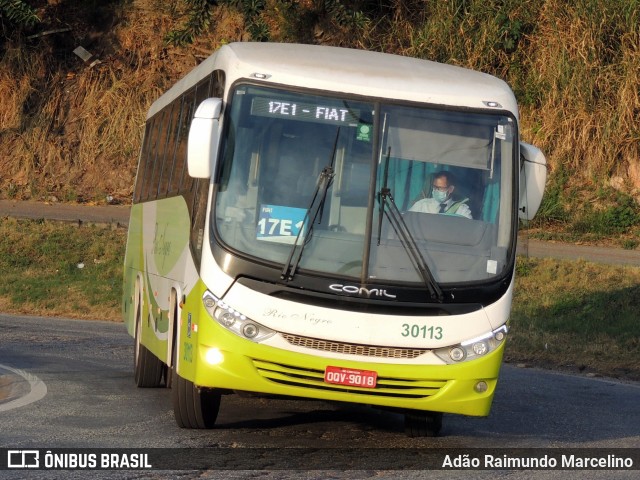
12	386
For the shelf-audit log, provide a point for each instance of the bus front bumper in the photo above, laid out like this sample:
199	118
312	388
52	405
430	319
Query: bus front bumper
466	388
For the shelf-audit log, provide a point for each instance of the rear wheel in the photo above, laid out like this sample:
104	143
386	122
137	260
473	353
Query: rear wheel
146	366
422	424
193	407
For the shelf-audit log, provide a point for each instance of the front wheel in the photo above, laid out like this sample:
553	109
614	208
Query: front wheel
422	424
193	407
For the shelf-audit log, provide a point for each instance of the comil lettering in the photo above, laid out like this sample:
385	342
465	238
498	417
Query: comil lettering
353	289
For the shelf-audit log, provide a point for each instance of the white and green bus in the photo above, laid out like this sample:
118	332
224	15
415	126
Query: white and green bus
273	247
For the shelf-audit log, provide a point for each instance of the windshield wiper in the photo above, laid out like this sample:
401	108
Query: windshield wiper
408	243
404	235
315	207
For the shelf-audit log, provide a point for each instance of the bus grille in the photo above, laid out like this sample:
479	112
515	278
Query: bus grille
314	379
354	349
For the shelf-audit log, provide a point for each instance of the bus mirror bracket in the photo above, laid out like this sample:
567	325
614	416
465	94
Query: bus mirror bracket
202	146
533	176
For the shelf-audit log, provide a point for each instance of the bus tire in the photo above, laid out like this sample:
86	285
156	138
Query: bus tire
193	407
147	367
422	424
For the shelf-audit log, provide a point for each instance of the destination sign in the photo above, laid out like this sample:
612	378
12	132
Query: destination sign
319	113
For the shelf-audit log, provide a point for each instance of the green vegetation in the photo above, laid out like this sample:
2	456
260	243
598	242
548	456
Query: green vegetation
612	218
576	316
17	13
74	128
61	269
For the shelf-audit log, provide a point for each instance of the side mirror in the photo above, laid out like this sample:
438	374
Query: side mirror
202	146
533	176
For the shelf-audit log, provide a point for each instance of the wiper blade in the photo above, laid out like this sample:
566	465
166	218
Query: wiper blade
324	181
315	207
404	234
408	242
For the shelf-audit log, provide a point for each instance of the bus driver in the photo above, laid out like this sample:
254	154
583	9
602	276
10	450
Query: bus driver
441	200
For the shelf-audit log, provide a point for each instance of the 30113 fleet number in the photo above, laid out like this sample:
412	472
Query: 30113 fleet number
422	331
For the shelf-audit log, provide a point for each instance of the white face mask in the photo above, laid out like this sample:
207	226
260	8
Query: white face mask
439	196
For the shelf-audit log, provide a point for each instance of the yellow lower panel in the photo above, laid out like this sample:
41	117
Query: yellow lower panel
256	368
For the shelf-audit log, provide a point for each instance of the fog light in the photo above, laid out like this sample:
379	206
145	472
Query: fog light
456	354
209	302
227	319
250	330
214	356
480	348
499	336
481	387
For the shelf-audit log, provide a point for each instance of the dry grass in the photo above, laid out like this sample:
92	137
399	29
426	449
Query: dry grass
575	67
17	73
587	61
74	131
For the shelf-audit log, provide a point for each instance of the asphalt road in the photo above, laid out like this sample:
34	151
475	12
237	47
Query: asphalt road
86	398
69	384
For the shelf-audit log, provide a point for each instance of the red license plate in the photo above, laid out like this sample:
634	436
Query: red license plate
351	377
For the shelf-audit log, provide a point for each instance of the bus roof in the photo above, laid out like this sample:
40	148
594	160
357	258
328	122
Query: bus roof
350	71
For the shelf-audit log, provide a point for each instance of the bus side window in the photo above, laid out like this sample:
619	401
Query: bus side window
165	158
150	163
174	164
142	162
182	177
217	83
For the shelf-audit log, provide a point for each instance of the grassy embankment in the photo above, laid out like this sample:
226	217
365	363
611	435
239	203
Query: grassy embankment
576	316
74	130
57	269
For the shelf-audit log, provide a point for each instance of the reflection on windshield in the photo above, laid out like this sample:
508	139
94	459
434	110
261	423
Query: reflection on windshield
316	207
450	174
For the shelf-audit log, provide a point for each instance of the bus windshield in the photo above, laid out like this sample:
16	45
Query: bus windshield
395	190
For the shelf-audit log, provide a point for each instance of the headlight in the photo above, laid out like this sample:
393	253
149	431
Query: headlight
234	321
474	348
